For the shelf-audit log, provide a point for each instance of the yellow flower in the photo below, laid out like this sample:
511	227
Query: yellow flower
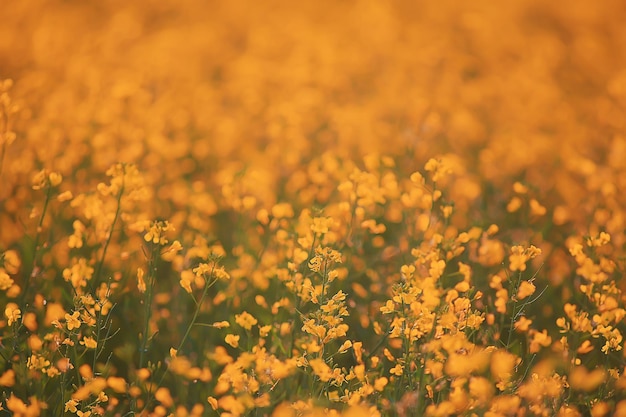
186	278
265	330
526	289
539	339
72	321
55	178
7	379
213	402
89	342
397	370
321	369
12	262
232	340
380	383
117	384
481	389
12	313
583	380
6	281
517	259
345	346
156	232
71	406
523	324
245	320
321	224
503	365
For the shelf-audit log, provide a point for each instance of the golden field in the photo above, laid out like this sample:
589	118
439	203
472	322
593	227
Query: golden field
346	208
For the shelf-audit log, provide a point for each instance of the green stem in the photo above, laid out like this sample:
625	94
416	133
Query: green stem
35	249
110	236
152	268
209	283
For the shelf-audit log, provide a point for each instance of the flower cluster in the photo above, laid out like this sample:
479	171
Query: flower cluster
269	209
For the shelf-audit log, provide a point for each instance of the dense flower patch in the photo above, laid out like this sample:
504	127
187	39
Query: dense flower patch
324	208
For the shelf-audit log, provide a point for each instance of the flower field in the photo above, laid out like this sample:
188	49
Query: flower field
316	208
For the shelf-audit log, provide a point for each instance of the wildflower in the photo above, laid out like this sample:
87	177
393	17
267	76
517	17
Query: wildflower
72	321
380	383
71	406
602	239
526	289
164	396
519	188
89	342
503	364
78	274
186	278
12	313
37	362
519	256
65	196
438	169
283	210
156	232
6	281
481	389
265	330
321	369
213	402
7	379
76	239
583	380
117	384
232	340
320	225
345	346
538	340
245	320
397	370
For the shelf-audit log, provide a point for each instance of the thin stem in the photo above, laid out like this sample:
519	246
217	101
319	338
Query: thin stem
110	235
211	280
33	271
152	267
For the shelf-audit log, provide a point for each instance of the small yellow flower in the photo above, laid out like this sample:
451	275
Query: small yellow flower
380	383
89	342
265	330
117	384
55	178
6	281
526	289
71	406
321	224
397	370
186	278
72	321
12	313
523	324
7	379
345	346
213	402
245	320
232	340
